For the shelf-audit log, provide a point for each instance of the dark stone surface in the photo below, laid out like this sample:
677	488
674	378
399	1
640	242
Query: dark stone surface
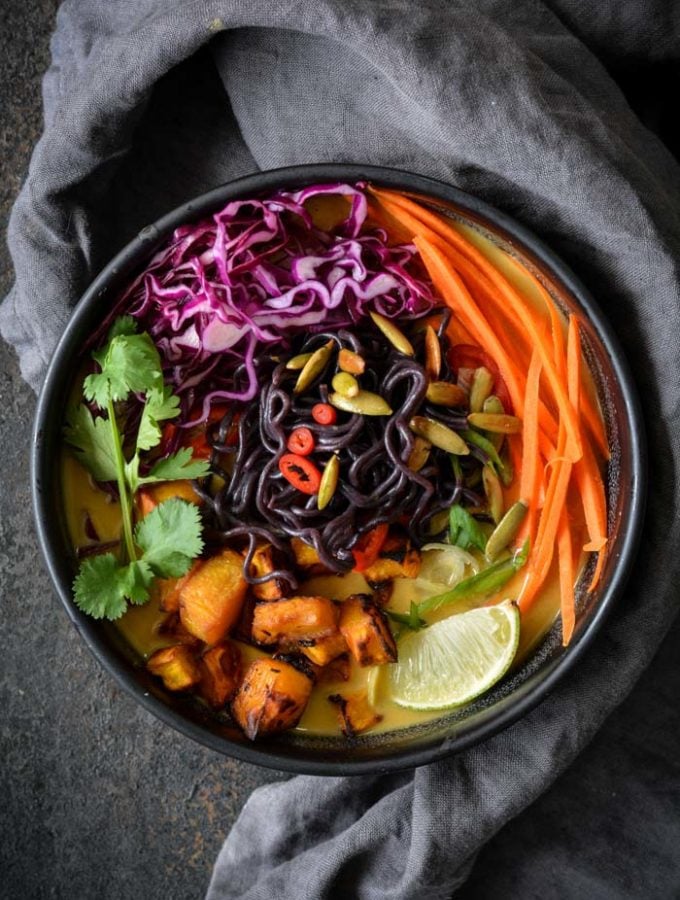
98	799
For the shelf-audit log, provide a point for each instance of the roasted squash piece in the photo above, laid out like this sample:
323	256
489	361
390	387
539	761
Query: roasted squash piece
210	601
150	496
286	622
169	589
272	697
355	712
220	674
176	666
261	564
172	628
306	557
365	628
397	559
338	669
322	650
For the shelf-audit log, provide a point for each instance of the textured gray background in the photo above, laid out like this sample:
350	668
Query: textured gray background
97	799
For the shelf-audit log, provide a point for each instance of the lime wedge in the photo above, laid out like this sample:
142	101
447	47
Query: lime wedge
455	660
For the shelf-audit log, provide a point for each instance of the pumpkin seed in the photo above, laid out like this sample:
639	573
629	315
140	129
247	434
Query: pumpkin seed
480	389
433	354
419	454
393	334
506	472
298	362
494	493
314	366
506	530
497	424
444	393
364	403
439	522
329	482
439	435
345	384
351	362
493	404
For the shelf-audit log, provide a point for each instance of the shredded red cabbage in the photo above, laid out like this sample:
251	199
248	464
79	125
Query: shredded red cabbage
254	275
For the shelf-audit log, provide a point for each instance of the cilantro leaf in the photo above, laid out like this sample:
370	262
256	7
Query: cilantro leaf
170	537
103	585
136	581
129	364
92	442
161	404
122	325
465	530
177	467
100	587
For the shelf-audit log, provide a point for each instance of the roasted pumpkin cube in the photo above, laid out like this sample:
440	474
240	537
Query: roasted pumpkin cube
172	628
210	601
169	589
322	650
365	628
150	496
355	712
272	697
397	559
286	622
261	564
176	666
220	674
337	669
306	557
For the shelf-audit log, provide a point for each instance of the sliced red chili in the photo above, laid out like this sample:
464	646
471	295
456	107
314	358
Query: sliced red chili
324	414
301	441
469	356
369	545
300	472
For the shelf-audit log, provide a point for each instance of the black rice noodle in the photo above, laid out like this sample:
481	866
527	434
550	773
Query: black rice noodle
257	504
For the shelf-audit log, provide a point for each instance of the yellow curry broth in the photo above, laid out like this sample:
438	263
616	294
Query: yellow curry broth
140	625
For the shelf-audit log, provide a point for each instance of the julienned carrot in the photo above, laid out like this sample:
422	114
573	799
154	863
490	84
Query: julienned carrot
531	461
450	285
589	412
453	291
478	282
574	363
554	510
547	530
591	490
565	559
528	317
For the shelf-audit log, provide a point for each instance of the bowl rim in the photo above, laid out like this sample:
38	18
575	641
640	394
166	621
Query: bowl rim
529	694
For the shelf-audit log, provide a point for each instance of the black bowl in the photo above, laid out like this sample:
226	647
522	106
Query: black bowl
454	730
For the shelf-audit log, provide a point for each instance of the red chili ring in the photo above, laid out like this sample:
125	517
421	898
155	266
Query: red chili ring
324	414
301	441
300	472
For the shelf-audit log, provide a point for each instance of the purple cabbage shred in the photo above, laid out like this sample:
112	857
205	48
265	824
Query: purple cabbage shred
245	281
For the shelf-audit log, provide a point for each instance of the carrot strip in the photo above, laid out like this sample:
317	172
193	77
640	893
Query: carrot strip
531	461
450	286
566	571
554	509
528	317
591	490
574	363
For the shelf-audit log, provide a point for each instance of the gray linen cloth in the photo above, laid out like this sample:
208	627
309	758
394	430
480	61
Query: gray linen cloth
508	99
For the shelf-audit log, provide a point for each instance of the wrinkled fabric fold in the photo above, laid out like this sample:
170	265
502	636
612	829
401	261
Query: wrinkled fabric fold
508	100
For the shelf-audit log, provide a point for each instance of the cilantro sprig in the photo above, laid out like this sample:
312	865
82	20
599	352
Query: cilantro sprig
166	541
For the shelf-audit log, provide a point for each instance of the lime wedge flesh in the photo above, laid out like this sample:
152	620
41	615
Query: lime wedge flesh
455	660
